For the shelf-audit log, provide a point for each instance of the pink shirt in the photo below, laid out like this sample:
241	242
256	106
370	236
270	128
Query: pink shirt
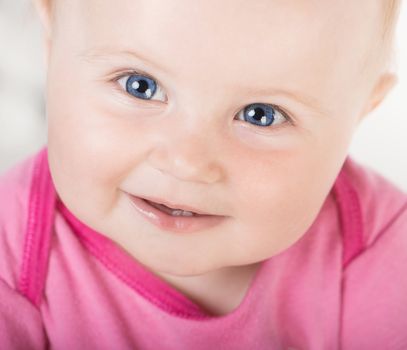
343	285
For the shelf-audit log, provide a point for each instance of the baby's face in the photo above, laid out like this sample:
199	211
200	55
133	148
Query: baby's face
296	64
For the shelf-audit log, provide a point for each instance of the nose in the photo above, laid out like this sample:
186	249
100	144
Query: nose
186	155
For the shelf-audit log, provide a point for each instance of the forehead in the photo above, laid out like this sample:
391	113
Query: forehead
264	39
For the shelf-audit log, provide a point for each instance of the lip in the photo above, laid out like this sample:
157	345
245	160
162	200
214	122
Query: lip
175	205
178	224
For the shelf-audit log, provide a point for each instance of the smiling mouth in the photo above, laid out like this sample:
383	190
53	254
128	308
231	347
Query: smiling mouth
173	219
172	211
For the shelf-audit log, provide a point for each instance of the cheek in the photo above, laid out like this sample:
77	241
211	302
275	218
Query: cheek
279	194
86	140
86	152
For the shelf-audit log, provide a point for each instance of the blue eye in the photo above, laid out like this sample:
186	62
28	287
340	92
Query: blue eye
141	86
259	114
262	114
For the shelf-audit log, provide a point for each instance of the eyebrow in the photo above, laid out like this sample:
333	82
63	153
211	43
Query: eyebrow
104	53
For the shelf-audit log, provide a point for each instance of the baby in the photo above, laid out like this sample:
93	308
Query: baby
196	191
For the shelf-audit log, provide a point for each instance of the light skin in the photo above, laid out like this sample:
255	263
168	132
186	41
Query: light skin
208	57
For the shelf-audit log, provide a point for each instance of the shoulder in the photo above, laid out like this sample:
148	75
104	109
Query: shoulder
375	282
15	186
383	204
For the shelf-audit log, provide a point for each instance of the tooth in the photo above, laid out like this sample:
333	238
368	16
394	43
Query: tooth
178	212
173	212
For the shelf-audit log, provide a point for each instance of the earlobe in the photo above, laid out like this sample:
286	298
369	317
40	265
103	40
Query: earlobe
384	85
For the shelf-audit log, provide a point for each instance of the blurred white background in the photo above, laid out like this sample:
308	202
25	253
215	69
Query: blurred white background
380	142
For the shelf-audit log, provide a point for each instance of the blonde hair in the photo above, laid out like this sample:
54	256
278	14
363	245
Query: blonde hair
384	47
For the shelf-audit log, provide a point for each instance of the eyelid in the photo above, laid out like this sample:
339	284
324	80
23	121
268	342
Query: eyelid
132	72
271	129
140	72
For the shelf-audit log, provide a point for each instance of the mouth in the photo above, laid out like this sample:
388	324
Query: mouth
173	211
176	219
174	208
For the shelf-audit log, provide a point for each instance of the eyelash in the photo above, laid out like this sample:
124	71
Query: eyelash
278	109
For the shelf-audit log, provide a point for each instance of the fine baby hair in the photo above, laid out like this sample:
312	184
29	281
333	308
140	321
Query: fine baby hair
196	191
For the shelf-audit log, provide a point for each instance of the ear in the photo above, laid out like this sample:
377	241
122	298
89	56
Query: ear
384	84
44	11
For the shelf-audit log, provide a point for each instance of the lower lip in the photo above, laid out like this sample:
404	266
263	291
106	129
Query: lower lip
179	224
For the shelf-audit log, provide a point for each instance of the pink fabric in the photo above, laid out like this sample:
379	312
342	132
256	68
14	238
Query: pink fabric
37	237
351	218
343	285
130	272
